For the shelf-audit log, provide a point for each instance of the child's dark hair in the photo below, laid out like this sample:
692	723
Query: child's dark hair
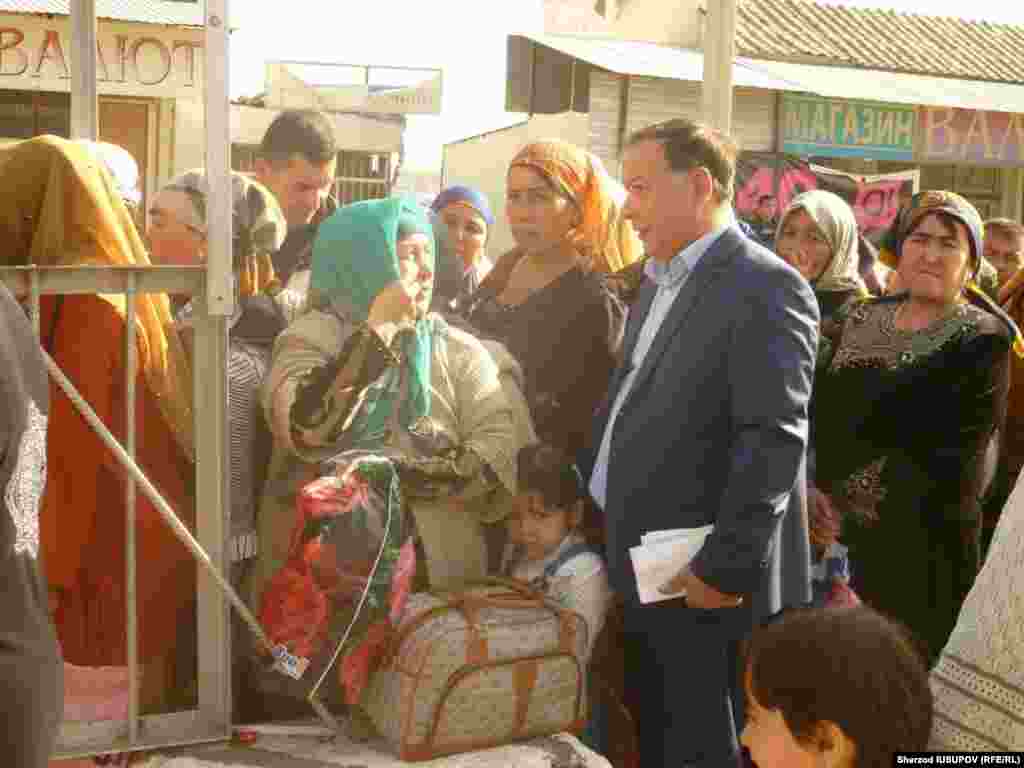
550	473
848	666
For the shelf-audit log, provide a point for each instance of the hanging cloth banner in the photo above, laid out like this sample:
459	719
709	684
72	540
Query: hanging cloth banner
766	183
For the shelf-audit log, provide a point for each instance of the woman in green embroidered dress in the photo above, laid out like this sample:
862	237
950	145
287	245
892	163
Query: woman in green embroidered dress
908	397
371	369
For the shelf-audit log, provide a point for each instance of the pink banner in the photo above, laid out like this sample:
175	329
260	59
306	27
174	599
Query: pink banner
767	183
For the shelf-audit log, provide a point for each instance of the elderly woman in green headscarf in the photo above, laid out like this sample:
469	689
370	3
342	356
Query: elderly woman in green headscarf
371	368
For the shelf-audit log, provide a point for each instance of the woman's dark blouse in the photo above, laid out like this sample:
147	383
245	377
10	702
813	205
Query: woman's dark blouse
566	337
831	302
900	421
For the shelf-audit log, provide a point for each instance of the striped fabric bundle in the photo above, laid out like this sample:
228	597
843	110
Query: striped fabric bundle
247	366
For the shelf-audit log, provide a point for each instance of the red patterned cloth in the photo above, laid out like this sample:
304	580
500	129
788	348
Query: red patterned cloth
342	548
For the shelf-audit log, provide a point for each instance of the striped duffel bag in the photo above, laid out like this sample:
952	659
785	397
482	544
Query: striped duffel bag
489	664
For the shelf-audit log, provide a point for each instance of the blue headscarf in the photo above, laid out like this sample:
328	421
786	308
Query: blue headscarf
474	198
354	259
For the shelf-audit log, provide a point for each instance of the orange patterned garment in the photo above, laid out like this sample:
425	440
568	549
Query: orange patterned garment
83	519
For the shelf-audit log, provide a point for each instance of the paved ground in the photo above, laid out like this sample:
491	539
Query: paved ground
250	757
275	751
253	754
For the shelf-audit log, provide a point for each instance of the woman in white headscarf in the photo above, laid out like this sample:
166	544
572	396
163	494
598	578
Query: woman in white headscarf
818	236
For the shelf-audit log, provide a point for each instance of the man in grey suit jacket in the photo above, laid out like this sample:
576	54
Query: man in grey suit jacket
705	423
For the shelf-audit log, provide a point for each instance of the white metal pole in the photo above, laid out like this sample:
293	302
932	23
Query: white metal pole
210	379
84	111
719	44
219	285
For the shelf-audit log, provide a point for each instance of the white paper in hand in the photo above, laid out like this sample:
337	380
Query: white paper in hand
662	555
676	533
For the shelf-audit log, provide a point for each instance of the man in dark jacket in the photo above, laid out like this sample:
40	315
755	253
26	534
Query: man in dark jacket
297	162
31	672
705	424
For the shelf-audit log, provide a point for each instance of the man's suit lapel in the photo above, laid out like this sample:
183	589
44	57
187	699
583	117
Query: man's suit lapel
637	318
709	268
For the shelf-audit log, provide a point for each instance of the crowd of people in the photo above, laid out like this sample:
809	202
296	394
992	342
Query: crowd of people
842	418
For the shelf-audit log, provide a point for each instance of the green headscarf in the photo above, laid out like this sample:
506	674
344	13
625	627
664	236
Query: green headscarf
354	259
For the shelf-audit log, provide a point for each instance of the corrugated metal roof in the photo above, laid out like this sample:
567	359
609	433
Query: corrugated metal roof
651	60
188	13
809	32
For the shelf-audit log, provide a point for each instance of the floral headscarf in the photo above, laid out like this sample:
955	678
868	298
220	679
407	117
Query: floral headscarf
258	226
940	201
923	204
602	237
834	217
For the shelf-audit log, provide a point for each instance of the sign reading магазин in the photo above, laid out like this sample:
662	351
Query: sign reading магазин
975	137
814	126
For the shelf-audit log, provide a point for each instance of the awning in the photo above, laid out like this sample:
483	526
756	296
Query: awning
652	60
897	87
649	60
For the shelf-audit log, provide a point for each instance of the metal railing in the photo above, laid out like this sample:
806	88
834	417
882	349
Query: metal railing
211	287
81	738
349	189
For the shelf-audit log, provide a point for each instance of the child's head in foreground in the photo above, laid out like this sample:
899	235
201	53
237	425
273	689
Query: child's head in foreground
834	688
549	504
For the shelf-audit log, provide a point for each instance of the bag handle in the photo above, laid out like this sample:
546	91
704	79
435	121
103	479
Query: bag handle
567	620
467	603
520	588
